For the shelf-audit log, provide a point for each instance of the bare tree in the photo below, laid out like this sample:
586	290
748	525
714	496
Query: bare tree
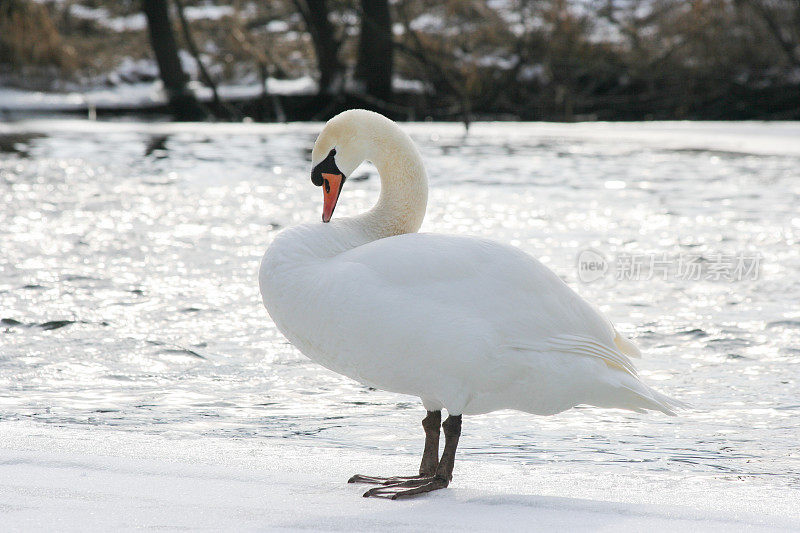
375	49
183	103
773	14
326	45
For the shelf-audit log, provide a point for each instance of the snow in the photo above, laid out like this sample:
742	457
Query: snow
149	93
403	84
129	95
100	15
208	12
134	22
95	479
302	85
138	22
88	13
137	95
277	26
428	22
500	62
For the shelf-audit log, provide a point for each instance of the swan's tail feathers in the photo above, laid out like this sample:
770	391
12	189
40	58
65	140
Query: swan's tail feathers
670	401
626	346
636	396
650	402
620	388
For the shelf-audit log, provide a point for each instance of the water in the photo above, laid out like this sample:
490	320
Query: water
129	298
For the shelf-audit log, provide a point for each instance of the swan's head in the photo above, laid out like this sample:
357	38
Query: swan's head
340	148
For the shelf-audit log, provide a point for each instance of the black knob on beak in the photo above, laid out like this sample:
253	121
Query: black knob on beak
326	166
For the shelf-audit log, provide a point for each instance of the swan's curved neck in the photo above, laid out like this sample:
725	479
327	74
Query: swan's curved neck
404	184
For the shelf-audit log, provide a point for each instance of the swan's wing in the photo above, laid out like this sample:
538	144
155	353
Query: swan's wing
581	345
523	303
626	346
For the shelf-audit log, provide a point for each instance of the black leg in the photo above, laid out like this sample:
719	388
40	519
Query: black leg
430	457
444	471
452	432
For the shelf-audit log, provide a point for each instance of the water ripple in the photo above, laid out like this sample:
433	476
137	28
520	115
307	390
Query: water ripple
129	299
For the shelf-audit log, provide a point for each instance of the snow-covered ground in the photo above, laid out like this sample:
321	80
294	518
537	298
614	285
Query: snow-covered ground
91	479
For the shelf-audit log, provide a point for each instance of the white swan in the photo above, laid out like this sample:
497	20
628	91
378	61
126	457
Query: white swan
466	324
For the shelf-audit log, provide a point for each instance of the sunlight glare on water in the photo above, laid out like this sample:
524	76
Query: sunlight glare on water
129	294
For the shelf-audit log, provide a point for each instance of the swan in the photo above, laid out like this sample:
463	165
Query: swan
467	324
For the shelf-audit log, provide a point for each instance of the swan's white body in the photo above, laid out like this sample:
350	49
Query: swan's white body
465	324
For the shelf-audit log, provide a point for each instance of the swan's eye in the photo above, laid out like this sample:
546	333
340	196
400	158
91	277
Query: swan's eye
327	185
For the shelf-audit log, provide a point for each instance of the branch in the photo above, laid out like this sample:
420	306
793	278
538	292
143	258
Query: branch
435	69
187	34
788	46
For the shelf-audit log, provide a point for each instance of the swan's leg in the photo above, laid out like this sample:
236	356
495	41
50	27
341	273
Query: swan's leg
452	432
444	471
430	457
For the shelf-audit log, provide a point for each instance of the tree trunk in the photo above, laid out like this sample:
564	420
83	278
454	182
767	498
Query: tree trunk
183	103
326	46
375	49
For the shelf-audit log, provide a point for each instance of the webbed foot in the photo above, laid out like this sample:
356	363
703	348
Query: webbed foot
410	487
378	480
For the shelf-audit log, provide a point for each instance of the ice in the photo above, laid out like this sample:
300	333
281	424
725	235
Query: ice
142	384
92	479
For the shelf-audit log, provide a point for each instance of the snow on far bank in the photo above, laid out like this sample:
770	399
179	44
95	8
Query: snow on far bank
150	93
96	479
134	95
137	95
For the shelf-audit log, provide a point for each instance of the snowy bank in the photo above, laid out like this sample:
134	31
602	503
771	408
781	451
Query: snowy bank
94	479
139	95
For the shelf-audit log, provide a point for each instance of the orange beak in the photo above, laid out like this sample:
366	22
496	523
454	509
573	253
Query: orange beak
331	187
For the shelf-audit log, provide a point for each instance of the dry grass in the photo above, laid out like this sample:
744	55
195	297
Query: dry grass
546	62
29	38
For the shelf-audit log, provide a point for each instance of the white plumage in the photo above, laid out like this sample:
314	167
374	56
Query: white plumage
465	324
